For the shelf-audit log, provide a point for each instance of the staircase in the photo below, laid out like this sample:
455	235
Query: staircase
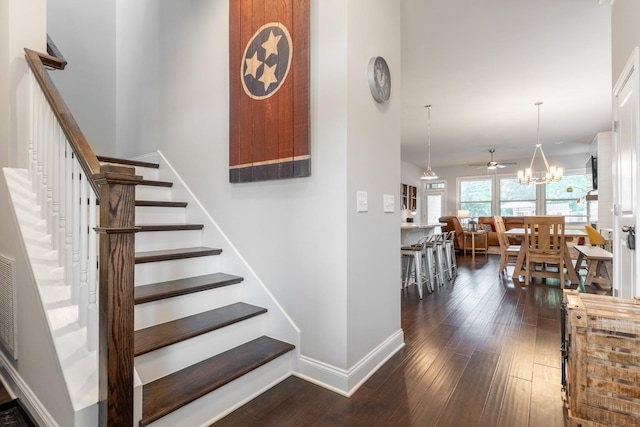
195	338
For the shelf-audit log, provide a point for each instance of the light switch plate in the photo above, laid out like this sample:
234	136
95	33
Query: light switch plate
388	202
362	204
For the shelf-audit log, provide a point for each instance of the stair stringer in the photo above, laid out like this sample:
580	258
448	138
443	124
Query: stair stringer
280	325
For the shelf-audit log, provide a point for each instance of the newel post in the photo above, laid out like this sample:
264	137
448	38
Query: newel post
117	252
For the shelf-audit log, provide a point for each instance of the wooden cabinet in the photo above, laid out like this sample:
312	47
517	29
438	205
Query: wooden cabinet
409	197
601	360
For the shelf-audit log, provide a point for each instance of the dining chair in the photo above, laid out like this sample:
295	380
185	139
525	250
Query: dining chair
544	245
595	238
508	252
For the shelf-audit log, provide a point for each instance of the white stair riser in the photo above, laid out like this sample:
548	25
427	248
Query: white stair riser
229	397
149	192
154	272
157	240
165	310
147	173
159	215
167	360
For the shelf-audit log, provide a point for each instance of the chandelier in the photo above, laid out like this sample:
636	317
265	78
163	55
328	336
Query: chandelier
428	174
552	173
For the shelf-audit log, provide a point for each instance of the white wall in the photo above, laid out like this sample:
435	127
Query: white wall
604	146
625	33
137	74
84	31
334	271
373	165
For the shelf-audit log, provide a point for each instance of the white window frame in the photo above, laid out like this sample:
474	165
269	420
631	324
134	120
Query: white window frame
538	206
491	178
570	196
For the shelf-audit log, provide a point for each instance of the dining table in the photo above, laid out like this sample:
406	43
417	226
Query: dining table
569	233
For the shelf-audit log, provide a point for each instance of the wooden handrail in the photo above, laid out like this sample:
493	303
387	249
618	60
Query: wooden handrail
54	52
115	187
86	157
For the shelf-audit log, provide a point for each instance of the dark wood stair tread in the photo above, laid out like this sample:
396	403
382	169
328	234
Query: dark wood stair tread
161	203
107	159
173	391
169	227
164	334
173	288
153	183
171	254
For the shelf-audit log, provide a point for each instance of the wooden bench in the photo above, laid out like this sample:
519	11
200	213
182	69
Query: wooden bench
599	265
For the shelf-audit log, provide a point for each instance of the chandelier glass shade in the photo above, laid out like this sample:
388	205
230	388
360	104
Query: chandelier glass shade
552	173
428	174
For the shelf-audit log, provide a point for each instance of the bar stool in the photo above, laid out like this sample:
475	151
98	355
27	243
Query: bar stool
435	258
450	252
412	261
442	260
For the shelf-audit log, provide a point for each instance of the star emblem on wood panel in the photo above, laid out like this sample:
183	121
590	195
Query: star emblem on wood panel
266	61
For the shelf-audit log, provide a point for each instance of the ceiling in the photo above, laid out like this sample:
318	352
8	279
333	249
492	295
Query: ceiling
482	65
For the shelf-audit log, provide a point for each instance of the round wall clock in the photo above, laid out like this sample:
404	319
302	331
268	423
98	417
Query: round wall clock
379	79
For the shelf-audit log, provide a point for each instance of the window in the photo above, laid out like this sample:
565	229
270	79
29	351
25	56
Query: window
570	204
516	199
475	195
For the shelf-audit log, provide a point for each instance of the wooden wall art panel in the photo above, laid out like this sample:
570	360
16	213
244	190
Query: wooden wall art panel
269	115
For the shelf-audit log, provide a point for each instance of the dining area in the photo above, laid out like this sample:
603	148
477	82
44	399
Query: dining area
546	249
532	249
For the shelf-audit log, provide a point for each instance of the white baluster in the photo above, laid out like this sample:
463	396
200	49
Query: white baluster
37	145
58	184
47	170
92	315
61	195
83	305
32	94
68	231
75	226
42	156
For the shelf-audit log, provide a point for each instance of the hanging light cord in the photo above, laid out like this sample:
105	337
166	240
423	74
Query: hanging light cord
428	136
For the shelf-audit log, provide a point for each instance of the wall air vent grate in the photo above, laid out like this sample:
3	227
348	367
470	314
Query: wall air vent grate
7	305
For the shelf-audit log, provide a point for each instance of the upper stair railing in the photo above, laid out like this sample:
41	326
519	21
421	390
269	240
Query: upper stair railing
70	182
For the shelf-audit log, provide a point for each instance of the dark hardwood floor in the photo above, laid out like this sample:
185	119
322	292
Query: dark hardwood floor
479	352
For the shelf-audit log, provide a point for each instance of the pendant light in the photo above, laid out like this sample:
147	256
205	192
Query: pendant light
428	174
552	173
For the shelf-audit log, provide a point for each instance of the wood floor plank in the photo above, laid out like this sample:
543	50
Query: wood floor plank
471	391
548	343
495	398
522	366
517	403
546	408
435	399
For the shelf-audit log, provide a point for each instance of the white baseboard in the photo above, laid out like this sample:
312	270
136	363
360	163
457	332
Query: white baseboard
346	382
28	398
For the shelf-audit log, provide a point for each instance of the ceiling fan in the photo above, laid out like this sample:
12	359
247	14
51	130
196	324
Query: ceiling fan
492	164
